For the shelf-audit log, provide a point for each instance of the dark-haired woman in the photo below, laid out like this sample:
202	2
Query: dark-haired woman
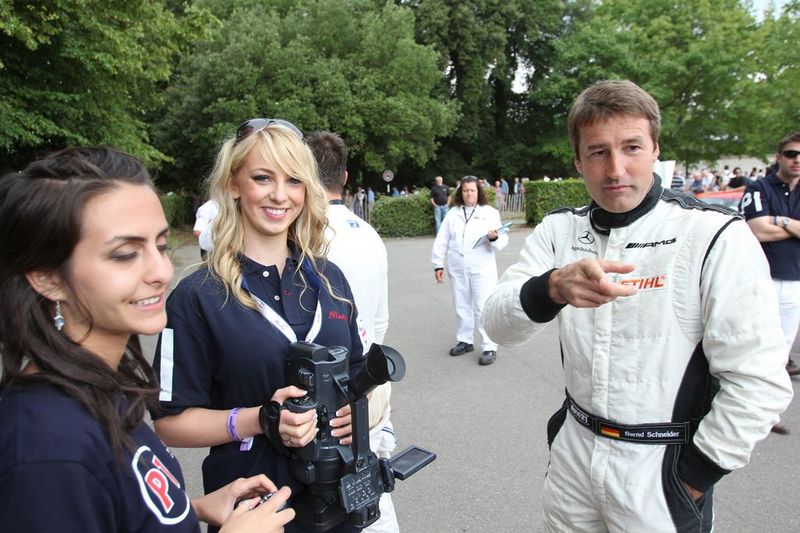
83	270
267	283
471	265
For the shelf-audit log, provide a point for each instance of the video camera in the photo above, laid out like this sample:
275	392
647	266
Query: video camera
343	482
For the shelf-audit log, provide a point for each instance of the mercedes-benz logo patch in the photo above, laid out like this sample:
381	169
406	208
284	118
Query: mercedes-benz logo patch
586	238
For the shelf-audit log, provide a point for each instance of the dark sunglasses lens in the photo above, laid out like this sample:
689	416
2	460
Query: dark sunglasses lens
249	126
257	124
791	154
287	124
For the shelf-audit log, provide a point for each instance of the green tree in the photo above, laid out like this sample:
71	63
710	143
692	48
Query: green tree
693	56
341	65
483	46
774	112
85	72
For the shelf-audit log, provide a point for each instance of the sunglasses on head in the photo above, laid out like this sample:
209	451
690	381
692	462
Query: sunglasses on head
790	154
254	125
467	179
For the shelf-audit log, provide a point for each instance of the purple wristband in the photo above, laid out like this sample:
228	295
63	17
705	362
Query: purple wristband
247	443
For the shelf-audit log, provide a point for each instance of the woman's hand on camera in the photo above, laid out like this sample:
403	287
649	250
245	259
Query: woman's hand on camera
342	425
296	429
249	515
215	508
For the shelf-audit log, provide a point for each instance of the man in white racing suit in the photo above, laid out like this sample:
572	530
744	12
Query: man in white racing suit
667	389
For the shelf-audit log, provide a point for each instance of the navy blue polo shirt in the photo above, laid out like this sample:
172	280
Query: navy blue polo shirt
770	196
58	471
218	354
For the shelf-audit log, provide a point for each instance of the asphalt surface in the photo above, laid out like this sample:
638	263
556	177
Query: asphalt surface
487	424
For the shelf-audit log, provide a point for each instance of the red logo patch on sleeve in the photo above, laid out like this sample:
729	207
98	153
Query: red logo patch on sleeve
160	489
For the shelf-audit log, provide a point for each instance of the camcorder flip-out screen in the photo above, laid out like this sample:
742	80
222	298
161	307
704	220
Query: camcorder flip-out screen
410	461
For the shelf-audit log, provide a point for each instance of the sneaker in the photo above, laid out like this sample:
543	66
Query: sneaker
461	348
487	357
792	368
780	429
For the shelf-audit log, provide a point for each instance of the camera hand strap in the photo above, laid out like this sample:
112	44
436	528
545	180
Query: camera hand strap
269	418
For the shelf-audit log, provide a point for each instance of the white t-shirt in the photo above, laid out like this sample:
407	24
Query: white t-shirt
203	218
357	249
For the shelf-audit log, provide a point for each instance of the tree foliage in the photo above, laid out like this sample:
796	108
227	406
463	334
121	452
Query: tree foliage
773	111
483	46
693	56
85	72
338	65
421	87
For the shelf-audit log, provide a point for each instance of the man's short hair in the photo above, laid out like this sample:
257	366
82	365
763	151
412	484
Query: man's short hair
607	99
793	137
331	154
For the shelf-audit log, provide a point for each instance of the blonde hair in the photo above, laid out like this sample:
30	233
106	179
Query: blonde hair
282	148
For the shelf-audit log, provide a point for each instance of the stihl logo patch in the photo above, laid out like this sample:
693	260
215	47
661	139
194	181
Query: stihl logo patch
651	244
658	281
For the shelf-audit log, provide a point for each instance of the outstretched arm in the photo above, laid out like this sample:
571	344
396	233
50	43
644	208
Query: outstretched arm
534	290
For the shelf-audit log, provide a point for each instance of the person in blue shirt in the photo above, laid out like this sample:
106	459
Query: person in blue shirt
83	270
771	207
222	357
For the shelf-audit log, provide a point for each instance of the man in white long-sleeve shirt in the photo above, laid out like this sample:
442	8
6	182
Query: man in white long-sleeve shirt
667	390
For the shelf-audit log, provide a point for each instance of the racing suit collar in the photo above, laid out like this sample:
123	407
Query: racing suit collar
603	221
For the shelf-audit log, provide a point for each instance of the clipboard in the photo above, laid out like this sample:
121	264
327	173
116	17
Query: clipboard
501	230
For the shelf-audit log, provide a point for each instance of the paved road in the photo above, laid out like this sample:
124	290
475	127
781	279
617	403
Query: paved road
487	424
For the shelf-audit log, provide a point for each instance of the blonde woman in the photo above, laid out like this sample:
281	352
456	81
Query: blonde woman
223	354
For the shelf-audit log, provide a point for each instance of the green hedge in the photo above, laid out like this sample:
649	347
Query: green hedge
541	197
403	216
491	195
409	216
177	208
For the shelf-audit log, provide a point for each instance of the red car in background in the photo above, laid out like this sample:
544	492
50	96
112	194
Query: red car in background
729	198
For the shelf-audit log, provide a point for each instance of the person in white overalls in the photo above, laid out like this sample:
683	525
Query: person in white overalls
469	238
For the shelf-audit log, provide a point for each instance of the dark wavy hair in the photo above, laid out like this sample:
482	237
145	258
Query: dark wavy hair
459	197
41	209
